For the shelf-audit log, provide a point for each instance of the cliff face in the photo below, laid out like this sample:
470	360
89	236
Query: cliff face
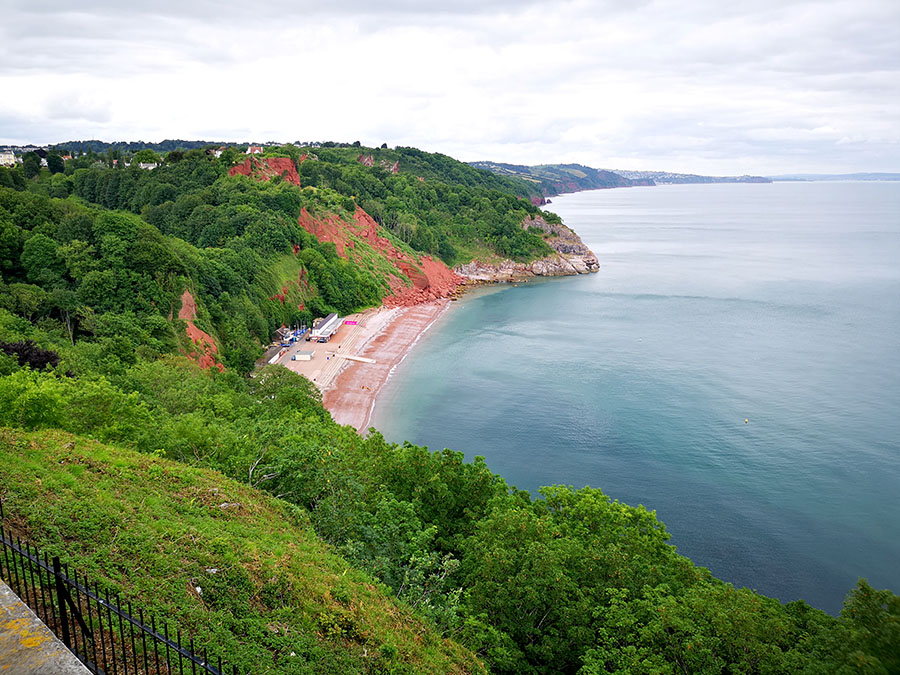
266	168
206	353
571	257
431	279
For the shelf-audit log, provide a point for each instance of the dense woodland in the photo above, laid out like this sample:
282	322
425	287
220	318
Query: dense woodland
93	263
108	251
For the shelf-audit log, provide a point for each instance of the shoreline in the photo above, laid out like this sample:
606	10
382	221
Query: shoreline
388	337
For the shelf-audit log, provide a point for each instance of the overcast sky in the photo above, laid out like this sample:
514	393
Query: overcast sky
705	86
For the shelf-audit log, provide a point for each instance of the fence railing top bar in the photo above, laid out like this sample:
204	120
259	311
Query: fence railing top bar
24	553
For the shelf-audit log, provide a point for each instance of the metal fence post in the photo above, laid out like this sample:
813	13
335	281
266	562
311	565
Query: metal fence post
61	601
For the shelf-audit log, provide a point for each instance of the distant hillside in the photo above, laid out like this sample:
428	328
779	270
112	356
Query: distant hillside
305	234
167	145
669	178
836	176
553	179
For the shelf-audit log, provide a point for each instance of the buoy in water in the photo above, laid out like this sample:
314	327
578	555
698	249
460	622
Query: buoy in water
746	420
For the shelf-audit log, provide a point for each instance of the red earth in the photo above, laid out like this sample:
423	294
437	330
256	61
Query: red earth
266	168
207	353
431	279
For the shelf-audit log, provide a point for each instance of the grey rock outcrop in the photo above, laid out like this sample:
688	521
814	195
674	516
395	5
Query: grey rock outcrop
570	257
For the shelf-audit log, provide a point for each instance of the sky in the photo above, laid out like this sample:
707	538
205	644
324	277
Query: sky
722	87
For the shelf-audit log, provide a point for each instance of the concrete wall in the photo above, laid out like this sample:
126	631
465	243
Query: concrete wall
27	646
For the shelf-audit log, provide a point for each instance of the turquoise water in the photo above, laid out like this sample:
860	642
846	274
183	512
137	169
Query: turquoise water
779	304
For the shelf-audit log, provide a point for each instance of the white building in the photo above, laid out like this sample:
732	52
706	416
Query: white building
326	327
7	158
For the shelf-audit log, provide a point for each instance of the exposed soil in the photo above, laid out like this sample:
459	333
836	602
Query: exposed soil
431	279
328	228
206	353
266	168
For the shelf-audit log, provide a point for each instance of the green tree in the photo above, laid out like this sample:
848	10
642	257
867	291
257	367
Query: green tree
145	156
31	164
866	639
55	163
10	245
42	264
229	157
28	300
65	302
11	178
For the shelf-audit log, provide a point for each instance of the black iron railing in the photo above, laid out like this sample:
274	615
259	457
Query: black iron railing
106	635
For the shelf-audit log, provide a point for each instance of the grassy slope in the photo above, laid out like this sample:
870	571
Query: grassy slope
152	528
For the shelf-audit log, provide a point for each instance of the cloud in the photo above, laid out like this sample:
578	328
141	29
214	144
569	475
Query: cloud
71	106
769	86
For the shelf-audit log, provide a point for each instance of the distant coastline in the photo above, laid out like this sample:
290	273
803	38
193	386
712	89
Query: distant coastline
814	177
551	180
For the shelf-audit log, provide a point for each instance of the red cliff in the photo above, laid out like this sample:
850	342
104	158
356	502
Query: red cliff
266	168
431	279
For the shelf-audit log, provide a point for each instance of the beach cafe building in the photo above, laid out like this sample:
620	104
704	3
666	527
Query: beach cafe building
327	326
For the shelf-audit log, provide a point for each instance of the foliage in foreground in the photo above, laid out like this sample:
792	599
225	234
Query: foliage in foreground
569	582
241	572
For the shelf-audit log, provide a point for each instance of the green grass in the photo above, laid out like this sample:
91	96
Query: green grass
155	530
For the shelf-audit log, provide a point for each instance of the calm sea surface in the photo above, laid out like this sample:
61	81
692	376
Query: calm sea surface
715	304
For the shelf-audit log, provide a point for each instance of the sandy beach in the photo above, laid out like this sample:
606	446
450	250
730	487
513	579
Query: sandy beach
380	338
386	336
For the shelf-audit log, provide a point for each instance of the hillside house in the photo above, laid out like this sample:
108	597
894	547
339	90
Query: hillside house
254	150
7	158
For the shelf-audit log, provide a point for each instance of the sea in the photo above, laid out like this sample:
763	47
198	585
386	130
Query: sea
733	366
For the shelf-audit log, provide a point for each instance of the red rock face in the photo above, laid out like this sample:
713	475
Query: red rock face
266	168
330	228
439	282
419	278
431	278
206	354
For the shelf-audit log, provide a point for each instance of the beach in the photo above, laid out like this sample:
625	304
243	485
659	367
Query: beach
380	338
387	337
